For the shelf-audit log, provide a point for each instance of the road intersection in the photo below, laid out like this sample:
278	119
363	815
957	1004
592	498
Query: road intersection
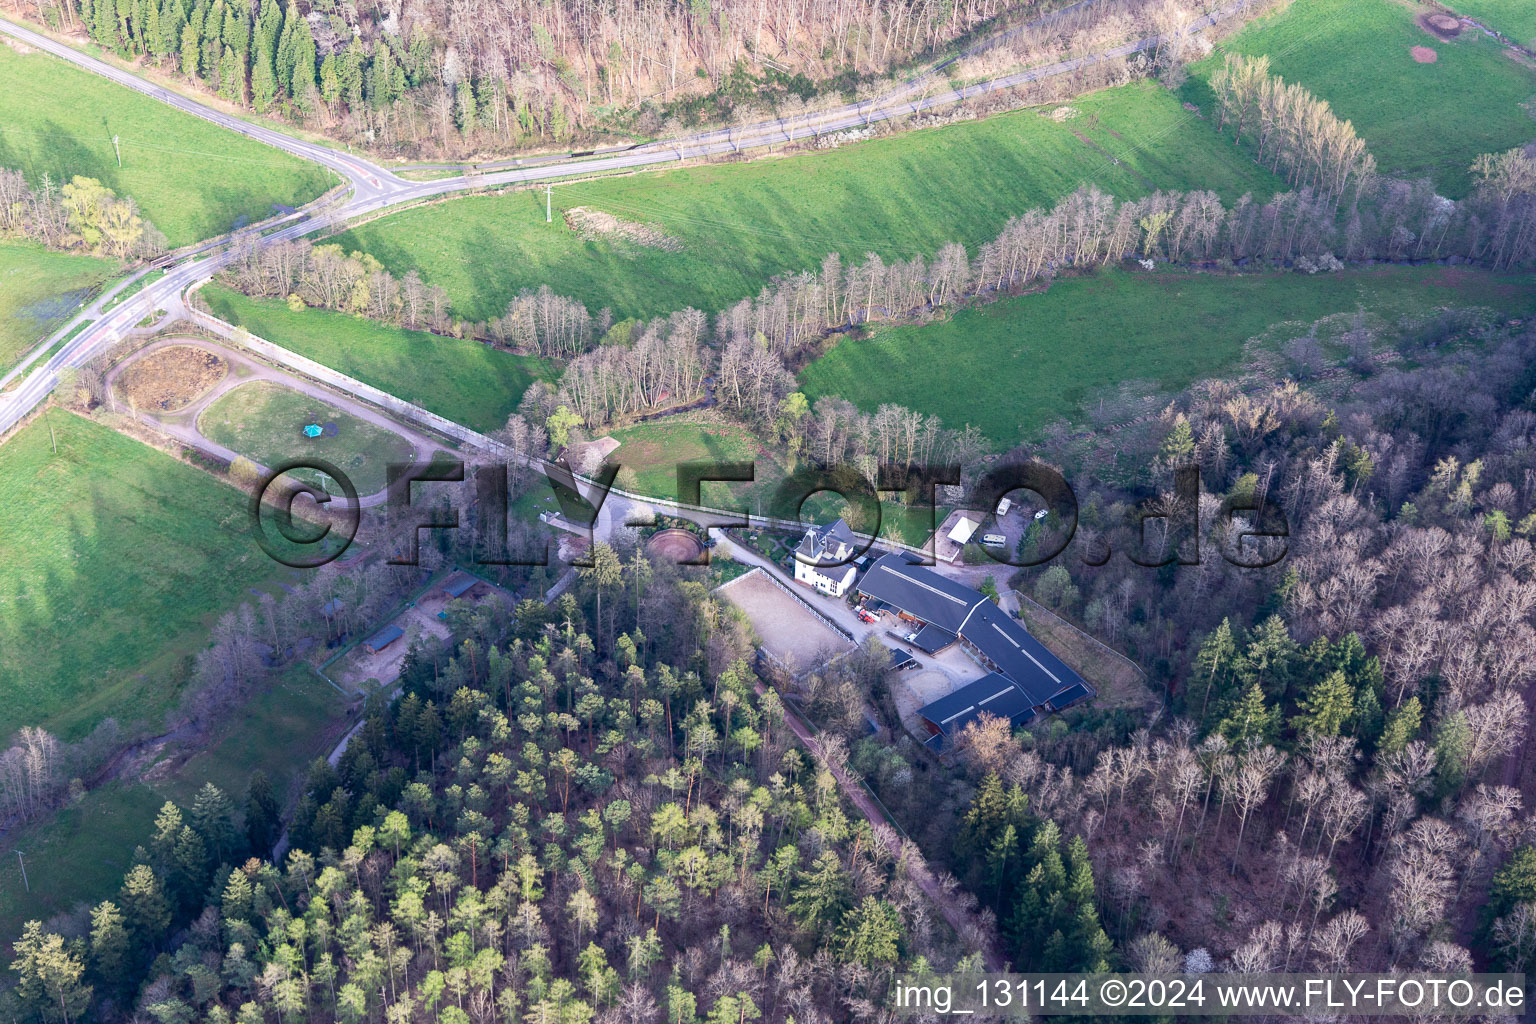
370	188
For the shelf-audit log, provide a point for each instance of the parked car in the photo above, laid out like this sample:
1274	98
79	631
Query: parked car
911	638
1042	513
994	540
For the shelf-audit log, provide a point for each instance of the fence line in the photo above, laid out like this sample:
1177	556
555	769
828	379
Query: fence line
1085	635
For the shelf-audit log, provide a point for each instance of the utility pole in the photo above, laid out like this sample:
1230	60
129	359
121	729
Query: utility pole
118	151
23	871
549	191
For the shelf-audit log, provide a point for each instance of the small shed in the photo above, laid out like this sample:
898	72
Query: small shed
332	608
382	639
961	533
459	587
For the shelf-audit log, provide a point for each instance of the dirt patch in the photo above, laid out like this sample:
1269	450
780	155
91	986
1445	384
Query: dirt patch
171	378
1442	26
595	224
1424	55
675	545
789	633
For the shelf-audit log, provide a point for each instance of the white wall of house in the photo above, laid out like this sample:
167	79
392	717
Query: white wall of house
835	580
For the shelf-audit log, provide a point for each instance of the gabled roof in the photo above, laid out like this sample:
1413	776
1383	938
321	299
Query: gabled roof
932	639
459	586
949	607
821	544
920	592
992	694
1016	654
384	637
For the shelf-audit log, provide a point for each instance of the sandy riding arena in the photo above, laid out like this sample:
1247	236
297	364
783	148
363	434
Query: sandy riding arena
170	379
675	545
789	633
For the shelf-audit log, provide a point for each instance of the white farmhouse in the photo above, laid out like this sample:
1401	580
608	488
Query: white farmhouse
822	559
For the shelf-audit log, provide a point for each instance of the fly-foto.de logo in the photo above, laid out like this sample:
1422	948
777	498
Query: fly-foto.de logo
1171	529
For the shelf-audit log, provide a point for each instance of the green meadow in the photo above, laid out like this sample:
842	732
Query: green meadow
115	561
1417	119
191	178
736	225
39	291
1012	366
467	381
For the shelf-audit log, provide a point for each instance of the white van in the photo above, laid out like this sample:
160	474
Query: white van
1003	507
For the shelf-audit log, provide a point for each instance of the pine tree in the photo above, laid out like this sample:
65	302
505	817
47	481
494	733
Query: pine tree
263	78
213	816
263	815
231	76
109	944
104	24
1250	722
191	51
145	907
1402	726
284	58
1213	673
50	976
1327	707
302	80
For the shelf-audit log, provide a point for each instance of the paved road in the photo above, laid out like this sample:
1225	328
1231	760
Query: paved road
373	189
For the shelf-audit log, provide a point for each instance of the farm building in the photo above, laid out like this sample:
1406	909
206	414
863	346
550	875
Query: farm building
992	694
942	612
823	558
459	587
382	639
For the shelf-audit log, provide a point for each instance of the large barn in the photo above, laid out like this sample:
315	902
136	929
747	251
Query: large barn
1026	678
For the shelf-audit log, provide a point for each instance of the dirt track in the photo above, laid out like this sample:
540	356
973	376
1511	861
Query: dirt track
181	424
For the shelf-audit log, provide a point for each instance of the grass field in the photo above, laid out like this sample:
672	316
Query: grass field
467	381
114	562
1417	119
739	224
654	450
1515	18
78	855
39	290
265	421
1013	366
192	179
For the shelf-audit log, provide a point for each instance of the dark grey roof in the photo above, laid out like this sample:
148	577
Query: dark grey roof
820	544
458	587
331	607
1071	695
933	639
901	659
384	637
992	694
1016	654
949	607
919	591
